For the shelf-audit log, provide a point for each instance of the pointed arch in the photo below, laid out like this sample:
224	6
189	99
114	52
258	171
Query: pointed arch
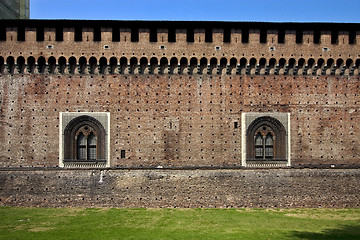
84	140
265	140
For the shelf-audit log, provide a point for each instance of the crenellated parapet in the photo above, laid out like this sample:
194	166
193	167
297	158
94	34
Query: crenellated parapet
163	47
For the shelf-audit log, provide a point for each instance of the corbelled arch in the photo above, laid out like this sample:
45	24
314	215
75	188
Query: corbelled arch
193	65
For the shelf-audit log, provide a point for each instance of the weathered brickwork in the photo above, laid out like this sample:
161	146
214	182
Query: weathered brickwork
180	120
175	95
182	188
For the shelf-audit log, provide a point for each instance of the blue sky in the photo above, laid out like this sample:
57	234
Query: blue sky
200	10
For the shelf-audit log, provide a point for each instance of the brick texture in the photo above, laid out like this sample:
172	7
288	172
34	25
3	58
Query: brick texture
179	120
177	106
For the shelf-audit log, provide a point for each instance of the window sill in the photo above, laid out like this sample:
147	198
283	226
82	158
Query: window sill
97	163
266	163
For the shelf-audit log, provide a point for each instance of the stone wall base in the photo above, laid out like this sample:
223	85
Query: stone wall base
221	188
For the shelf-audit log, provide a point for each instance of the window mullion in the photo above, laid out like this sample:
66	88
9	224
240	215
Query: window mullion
86	148
264	147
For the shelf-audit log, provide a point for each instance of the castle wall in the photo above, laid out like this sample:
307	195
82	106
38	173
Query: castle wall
175	97
175	120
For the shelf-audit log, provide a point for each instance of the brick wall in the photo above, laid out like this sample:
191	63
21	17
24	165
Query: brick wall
175	120
178	105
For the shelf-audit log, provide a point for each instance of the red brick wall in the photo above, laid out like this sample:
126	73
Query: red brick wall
200	109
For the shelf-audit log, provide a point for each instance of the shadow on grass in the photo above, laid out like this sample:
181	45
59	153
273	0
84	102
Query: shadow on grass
343	232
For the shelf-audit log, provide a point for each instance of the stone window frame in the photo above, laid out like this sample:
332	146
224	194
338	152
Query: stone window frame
279	126
74	123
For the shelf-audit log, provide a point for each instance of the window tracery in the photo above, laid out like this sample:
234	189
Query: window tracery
264	143
86	143
266	140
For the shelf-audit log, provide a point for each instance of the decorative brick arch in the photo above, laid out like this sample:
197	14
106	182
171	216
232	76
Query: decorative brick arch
86	125
264	126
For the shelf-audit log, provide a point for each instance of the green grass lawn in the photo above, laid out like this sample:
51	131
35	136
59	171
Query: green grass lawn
129	223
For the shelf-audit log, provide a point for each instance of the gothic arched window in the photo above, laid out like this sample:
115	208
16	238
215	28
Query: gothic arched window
84	141
265	140
264	144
